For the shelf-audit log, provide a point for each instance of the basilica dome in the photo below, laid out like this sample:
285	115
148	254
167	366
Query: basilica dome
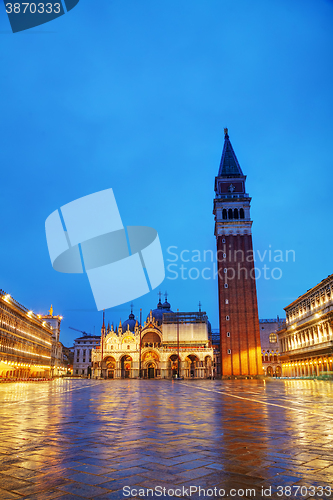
160	310
130	322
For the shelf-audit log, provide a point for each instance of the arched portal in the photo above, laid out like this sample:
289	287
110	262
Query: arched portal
150	360
192	365
110	364
151	370
173	366
278	371
126	366
269	371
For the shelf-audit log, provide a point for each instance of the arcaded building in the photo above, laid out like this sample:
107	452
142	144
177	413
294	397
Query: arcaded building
306	342
25	341
169	344
238	309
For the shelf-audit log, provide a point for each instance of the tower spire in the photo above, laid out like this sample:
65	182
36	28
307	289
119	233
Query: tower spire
103	326
229	166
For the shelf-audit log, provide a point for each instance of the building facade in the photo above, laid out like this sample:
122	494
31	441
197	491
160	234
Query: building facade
270	352
26	342
82	359
306	342
168	345
238	310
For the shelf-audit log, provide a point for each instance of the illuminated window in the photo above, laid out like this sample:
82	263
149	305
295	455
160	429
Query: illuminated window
226	301
273	338
229	351
228	334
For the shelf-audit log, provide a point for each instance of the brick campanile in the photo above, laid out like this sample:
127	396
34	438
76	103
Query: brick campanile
238	309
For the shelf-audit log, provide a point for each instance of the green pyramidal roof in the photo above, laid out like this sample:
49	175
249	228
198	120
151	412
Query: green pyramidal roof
229	165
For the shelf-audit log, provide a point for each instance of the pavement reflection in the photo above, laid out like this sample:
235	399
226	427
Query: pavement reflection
71	439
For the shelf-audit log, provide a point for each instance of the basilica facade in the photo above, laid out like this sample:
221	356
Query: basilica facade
167	345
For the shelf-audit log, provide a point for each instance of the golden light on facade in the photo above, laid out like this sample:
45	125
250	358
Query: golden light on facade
6	297
30	313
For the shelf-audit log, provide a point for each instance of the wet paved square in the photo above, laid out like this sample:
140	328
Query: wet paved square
87	439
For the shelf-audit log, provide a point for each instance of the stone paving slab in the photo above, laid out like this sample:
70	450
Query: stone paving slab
147	434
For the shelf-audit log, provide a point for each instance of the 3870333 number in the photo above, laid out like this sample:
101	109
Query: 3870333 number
32	8
304	491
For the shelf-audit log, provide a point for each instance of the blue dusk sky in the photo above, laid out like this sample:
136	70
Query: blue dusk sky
134	96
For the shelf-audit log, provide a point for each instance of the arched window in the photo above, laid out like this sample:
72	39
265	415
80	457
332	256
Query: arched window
128	347
273	338
241	213
224	214
230	214
236	213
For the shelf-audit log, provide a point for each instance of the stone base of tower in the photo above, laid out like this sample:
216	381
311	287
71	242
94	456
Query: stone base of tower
239	323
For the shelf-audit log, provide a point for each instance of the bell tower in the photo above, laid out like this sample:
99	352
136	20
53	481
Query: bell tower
238	309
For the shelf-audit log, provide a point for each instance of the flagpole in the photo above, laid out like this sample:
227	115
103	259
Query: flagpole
178	361
102	342
140	344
